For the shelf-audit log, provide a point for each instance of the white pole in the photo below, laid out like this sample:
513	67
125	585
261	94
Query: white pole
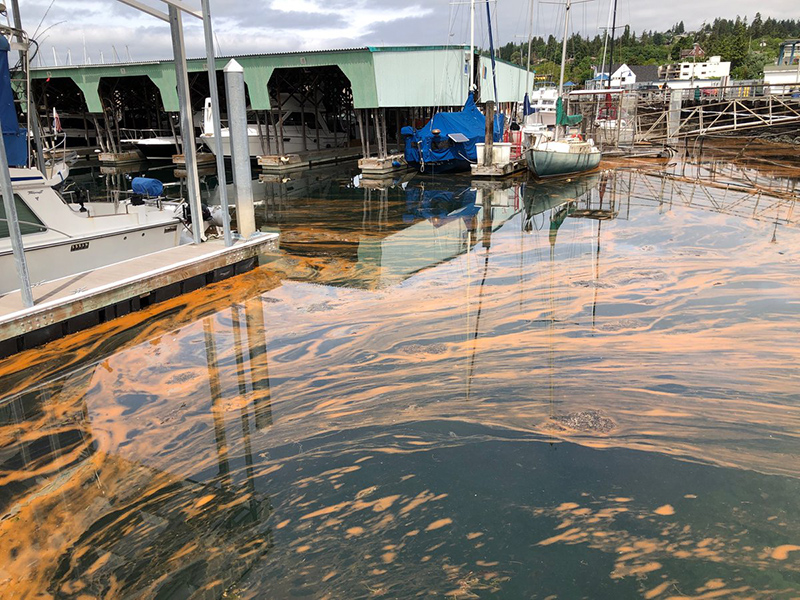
530	42
563	64
187	127
472	46
240	149
564	48
13	229
212	84
605	47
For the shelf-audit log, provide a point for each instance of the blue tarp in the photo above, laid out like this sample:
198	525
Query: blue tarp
423	147
145	186
14	137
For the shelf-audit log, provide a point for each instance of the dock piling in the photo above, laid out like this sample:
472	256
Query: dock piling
489	137
240	149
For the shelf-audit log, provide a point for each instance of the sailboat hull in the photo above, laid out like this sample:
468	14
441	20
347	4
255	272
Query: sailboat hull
550	163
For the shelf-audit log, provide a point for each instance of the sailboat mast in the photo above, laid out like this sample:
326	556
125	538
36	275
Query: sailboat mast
613	32
530	41
471	46
564	49
611	8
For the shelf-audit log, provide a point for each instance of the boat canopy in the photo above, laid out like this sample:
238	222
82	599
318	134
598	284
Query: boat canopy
14	137
450	136
564	119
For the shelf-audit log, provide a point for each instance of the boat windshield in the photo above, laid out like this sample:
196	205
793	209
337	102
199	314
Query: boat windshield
28	221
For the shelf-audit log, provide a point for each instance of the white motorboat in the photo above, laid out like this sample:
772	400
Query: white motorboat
63	238
290	125
154	144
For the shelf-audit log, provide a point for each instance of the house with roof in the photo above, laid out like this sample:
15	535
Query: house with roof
625	76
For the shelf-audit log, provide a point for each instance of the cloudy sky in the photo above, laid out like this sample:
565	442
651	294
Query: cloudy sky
254	26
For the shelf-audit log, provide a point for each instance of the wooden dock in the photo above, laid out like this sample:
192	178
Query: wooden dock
77	302
515	165
278	163
380	167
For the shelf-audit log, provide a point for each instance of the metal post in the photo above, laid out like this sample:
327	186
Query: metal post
13	228
187	127
240	149
212	83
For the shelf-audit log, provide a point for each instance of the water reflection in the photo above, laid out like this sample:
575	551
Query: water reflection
438	386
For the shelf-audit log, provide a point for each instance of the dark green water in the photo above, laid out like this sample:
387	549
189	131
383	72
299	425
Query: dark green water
583	389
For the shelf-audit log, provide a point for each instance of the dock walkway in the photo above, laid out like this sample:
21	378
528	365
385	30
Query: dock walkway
67	305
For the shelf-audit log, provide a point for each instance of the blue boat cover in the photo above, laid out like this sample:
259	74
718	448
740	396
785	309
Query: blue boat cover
425	147
145	186
14	137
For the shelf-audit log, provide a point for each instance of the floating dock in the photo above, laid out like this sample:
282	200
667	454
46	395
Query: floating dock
303	160
77	302
381	167
515	165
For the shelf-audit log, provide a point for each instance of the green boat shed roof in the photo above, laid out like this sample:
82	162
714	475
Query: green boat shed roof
380	77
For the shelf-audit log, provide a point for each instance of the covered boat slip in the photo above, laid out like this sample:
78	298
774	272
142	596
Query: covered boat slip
378	88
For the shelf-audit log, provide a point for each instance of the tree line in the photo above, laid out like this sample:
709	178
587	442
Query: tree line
747	45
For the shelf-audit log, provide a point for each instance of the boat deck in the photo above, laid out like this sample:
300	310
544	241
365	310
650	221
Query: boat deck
67	305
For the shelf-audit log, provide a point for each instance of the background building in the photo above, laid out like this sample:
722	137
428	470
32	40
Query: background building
713	68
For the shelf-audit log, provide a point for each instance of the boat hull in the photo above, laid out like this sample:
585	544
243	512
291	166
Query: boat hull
158	151
548	163
449	166
75	255
292	143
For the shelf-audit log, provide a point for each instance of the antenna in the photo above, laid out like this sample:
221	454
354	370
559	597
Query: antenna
114	50
55	57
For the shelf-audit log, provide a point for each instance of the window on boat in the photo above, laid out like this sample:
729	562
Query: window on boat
28	221
293	119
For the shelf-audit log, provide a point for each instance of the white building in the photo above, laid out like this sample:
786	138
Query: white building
784	77
713	68
625	76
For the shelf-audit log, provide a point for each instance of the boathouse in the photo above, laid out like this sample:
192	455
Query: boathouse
409	82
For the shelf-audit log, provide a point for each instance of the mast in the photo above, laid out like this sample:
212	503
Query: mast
564	49
613	32
611	7
471	46
530	41
563	66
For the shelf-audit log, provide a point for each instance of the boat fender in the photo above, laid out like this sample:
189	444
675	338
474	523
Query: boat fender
216	216
186	213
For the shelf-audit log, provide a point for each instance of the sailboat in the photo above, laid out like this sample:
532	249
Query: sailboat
561	155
